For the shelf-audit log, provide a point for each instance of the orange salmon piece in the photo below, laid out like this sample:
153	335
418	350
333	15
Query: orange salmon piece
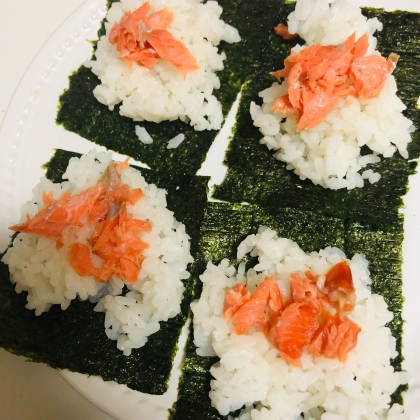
116	237
127	244
303	290
147	58
348	44
335	338
123	193
125	33
135	17
317	344
137	224
318	76
282	104
80	259
99	246
361	46
130	271
313	318
311	276
235	298
77	206
339	277
346	338
294	330
145	40
161	19
47	198
175	52
119	167
316	106
283	31
254	309
340	287
117	242
317	72
275	301
41	227
368	75
267	302
280	74
295	87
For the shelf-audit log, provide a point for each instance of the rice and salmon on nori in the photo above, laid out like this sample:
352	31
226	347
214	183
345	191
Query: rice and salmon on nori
159	60
336	95
296	333
312	231
103	230
250	179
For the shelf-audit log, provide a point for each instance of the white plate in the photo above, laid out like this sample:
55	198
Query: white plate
29	135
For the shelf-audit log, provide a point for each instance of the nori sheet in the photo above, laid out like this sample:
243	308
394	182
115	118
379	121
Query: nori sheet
225	225
255	176
75	339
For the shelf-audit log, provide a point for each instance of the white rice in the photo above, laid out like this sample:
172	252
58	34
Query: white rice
143	135
162	92
329	154
176	141
251	373
39	269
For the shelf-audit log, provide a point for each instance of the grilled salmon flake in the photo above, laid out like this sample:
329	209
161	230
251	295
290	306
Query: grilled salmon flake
144	39
116	237
314	317
318	76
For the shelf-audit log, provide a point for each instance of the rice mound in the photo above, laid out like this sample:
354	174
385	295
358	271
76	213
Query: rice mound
44	272
162	93
329	154
252	375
